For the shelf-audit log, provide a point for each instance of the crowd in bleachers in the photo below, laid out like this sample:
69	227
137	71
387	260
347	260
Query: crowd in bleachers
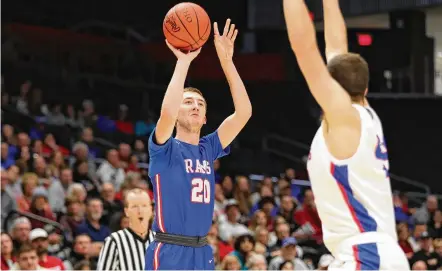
62	189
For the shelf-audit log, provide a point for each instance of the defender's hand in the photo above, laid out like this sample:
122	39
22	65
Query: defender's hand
224	44
187	57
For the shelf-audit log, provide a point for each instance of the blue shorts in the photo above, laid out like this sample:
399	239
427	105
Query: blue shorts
161	256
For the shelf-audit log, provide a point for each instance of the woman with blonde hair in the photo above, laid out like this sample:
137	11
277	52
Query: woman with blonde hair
230	262
57	164
28	185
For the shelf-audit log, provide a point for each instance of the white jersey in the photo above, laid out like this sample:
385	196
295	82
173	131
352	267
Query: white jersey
353	196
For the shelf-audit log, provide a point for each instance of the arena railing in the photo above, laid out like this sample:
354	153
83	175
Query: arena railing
304	149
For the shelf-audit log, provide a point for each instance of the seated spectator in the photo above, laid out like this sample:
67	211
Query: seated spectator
74	216
6	159
227	185
87	137
55	116
230	228
81	175
111	170
39	240
24	161
426	254
14	185
308	215
37	149
222	248
265	192
81	154
7	258
325	261
73	118
29	184
9	137
268	206
230	262
287	265
27	259
7	200
244	246
404	235
242	195
76	191
82	250
20	229
419	229
40	206
58	189
110	205
263	237
436	226
50	146
287	211
419	265
259	219
56	164
425	214
124	152
220	202
92	226
288	253
88	115
140	151
257	262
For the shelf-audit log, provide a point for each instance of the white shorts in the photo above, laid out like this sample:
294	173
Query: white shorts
369	251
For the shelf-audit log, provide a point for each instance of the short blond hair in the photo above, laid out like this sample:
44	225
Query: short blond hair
195	90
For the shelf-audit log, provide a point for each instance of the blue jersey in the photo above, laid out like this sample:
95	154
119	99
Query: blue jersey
184	184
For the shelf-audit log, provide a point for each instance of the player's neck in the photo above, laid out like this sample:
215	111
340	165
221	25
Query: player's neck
188	137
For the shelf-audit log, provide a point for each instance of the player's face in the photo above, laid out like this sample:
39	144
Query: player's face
192	113
138	209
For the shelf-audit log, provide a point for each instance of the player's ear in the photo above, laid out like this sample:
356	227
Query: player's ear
205	120
125	212
365	92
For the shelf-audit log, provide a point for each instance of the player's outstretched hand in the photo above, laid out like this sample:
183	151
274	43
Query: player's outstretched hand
182	56
224	43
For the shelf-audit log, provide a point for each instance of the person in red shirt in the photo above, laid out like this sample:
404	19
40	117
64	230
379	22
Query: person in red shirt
7	259
308	215
39	240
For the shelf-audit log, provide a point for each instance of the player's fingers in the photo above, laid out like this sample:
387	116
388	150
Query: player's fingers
226	27
215	29
234	35
231	31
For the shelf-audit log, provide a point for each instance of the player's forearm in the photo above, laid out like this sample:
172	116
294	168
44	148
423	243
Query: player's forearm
300	28
334	29
241	101
174	93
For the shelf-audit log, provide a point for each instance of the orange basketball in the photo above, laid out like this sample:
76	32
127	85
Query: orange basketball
187	26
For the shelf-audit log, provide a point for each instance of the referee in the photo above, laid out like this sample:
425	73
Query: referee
125	249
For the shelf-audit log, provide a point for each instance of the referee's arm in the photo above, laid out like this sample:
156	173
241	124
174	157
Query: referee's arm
108	258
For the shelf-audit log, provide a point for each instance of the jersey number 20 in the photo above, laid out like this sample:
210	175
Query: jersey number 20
200	191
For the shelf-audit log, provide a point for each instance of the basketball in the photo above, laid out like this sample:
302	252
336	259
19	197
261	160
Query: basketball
187	26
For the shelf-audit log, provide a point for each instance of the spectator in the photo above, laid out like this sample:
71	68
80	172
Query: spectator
20	229
419	229
7	258
81	154
287	211
227	185
22	101
111	170
264	192
6	159
73	218
29	183
308	215
40	207
7	200
419	265
216	166
39	240
55	116
257	262
244	245
242	195
27	259
9	137
230	262
231	227
81	175
222	248
140	151
288	253
82	250
124	152
57	164
92	226
24	161
436	226
220	202
259	219
87	137
110	206
88	115
287	265
404	235
425	214
72	117
83	265
14	185
58	189
50	146
426	254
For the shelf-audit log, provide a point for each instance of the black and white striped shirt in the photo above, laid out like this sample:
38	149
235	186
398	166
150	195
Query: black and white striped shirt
124	250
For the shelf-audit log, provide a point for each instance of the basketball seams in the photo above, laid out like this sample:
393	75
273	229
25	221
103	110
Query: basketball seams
176	13
190	44
197	23
207	28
